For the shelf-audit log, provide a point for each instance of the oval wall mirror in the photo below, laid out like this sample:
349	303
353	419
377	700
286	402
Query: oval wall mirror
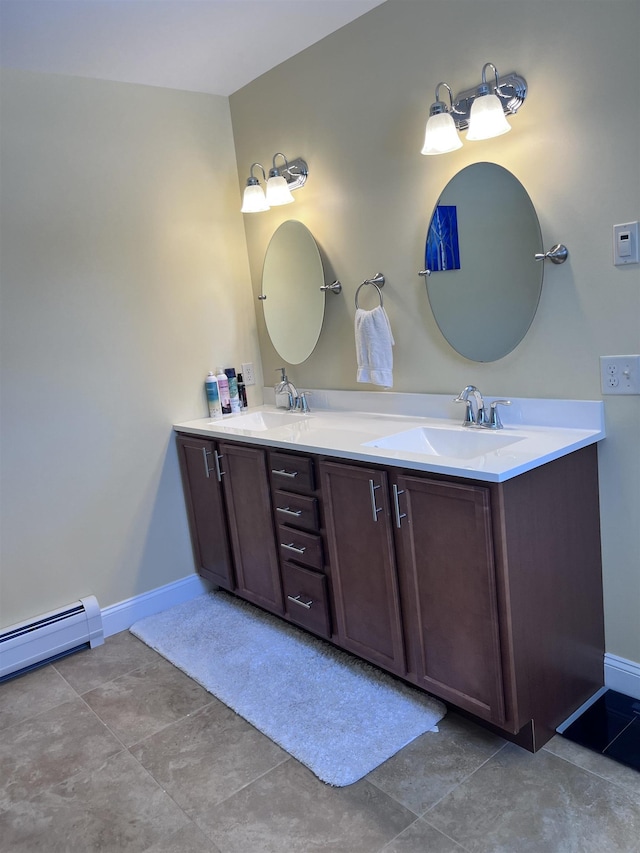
485	284
293	303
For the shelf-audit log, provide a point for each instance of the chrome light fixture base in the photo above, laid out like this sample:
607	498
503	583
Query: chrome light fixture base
295	173
511	91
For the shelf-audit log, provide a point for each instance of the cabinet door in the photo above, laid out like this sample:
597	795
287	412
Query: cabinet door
448	579
205	510
363	570
246	490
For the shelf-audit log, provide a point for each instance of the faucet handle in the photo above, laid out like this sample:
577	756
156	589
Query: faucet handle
468	411
494	416
302	402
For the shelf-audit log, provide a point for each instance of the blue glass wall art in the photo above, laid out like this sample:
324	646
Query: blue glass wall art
442	250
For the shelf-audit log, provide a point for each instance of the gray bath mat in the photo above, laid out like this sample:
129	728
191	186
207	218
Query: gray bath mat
337	715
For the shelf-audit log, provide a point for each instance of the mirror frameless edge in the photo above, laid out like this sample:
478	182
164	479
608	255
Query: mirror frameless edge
485	283
293	302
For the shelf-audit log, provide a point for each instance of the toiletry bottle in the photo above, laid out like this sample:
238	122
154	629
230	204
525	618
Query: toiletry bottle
234	397
213	397
242	391
223	389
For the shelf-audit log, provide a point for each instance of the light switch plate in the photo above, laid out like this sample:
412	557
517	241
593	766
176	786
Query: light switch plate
620	374
625	244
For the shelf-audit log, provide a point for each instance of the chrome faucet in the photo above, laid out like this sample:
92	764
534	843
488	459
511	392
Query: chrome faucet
301	403
479	417
471	417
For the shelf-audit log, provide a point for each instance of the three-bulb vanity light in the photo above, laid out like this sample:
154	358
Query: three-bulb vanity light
481	111
279	185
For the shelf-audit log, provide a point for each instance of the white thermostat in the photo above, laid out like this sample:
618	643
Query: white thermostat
625	244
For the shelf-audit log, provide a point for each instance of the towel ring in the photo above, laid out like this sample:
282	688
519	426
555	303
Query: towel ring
377	281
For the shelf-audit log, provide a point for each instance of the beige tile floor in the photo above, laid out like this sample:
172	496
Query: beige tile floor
115	749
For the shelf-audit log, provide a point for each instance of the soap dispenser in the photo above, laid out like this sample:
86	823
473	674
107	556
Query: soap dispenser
281	390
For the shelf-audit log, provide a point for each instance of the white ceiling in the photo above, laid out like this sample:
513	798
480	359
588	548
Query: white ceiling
214	46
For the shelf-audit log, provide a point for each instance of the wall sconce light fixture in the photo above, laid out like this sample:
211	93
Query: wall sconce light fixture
482	110
281	181
441	134
254	200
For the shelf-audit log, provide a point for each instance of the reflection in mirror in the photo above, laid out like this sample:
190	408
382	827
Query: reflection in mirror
291	297
485	284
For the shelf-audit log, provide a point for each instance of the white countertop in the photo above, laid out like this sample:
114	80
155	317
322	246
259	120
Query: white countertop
346	425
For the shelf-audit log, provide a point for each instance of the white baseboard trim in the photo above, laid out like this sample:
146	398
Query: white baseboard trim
119	617
622	675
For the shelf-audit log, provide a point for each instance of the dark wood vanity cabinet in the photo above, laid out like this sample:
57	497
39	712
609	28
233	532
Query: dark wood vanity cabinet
248	503
447	570
229	509
363	568
300	537
487	595
199	461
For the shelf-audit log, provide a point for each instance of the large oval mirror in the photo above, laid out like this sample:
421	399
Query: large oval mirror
485	284
291	297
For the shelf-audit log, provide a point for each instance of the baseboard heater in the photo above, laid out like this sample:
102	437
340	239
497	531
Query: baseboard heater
50	636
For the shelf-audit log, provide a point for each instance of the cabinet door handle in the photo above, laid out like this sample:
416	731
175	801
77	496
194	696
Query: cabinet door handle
374	509
286	511
207	470
284	473
292	547
219	472
297	599
399	515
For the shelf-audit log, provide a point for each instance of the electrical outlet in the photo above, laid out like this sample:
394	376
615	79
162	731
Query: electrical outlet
620	374
248	373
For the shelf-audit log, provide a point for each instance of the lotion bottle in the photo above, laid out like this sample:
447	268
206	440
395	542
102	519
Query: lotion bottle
223	388
213	396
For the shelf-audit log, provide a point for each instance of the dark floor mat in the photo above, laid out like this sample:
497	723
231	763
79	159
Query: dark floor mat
610	726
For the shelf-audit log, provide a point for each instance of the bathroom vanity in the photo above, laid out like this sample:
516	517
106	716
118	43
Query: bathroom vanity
476	578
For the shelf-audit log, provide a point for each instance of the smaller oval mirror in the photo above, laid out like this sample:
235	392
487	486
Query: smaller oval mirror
293	303
485	283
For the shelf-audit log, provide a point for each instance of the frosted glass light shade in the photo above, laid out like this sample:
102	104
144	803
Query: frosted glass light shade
253	200
278	191
487	118
441	135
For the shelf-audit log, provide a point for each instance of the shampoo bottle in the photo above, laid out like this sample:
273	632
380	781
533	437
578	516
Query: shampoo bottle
213	397
223	389
233	389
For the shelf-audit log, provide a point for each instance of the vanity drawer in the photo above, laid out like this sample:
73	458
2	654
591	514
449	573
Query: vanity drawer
305	598
302	547
294	473
296	510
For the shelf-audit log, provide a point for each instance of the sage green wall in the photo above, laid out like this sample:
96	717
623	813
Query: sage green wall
354	106
124	280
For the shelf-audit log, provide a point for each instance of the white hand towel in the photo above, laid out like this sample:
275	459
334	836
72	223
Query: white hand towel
374	341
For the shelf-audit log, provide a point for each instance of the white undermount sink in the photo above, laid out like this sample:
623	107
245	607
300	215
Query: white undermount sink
456	443
259	421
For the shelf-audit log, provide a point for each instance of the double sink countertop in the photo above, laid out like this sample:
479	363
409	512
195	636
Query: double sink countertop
422	432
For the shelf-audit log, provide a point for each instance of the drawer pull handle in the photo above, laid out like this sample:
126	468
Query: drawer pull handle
374	509
283	473
287	511
297	599
292	547
399	515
